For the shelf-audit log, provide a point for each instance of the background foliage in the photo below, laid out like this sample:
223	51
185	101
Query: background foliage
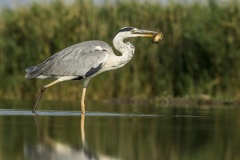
199	54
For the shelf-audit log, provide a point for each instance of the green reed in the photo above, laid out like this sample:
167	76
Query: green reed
198	55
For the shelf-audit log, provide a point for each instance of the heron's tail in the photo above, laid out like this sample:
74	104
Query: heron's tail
29	72
29	69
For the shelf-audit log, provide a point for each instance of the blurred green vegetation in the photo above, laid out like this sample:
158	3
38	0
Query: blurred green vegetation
200	52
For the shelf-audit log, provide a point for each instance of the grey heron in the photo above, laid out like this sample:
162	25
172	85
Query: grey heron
87	59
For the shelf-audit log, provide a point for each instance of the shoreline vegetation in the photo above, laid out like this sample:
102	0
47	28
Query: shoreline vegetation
174	101
198	57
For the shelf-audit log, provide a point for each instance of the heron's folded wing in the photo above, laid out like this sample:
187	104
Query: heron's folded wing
84	59
77	64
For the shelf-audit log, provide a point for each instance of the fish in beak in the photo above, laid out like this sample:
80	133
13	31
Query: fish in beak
156	36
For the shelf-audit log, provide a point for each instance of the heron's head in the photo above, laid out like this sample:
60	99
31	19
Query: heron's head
128	32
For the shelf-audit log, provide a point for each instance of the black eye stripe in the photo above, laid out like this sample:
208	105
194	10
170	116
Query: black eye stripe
125	29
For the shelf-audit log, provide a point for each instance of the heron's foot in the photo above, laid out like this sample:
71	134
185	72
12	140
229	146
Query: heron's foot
83	109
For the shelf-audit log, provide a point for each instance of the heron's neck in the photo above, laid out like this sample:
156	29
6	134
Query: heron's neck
127	50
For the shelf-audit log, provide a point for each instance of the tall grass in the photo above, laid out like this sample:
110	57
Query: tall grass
199	53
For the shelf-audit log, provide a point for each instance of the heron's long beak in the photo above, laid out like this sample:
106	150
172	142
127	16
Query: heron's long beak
144	33
157	36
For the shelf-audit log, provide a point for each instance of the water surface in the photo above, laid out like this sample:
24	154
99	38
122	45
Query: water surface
118	131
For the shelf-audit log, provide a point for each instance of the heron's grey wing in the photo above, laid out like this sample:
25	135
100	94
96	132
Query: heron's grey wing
83	64
80	60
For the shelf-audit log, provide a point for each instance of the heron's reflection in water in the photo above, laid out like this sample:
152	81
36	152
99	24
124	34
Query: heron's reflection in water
49	149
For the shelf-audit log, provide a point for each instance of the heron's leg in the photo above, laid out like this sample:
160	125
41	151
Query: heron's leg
85	84
42	90
82	129
82	100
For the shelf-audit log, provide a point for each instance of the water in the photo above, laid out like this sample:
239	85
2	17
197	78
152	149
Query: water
111	131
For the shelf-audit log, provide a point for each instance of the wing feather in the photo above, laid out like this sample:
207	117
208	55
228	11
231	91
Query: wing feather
77	60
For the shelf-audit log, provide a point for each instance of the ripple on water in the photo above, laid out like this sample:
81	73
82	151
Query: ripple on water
8	112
